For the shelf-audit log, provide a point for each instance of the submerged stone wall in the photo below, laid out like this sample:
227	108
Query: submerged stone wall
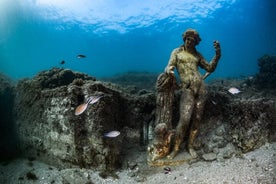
233	125
49	130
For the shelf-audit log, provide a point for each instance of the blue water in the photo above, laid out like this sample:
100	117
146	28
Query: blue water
131	35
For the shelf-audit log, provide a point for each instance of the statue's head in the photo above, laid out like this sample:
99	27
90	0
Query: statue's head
191	33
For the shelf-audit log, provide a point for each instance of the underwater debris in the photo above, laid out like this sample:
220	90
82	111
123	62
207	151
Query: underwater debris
112	134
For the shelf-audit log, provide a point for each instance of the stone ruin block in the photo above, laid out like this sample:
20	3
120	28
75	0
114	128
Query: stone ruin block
252	123
49	130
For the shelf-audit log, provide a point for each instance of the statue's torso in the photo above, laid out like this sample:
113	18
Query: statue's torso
187	67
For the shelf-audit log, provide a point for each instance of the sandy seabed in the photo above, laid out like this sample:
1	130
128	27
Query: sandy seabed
257	167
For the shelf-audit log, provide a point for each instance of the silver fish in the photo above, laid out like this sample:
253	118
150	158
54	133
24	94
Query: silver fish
93	99
112	134
234	91
90	100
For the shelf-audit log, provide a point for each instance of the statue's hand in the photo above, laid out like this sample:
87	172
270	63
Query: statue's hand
170	70
217	47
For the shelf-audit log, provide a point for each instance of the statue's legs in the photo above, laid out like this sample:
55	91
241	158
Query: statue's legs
196	119
185	111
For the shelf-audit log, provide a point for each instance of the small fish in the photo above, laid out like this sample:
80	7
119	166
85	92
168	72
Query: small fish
234	91
90	100
81	108
112	134
93	99
62	62
81	56
213	102
167	170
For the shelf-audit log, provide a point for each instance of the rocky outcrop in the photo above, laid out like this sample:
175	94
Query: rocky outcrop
235	124
134	80
266	78
8	137
50	131
251	123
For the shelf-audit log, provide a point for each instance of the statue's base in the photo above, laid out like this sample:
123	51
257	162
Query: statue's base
179	159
